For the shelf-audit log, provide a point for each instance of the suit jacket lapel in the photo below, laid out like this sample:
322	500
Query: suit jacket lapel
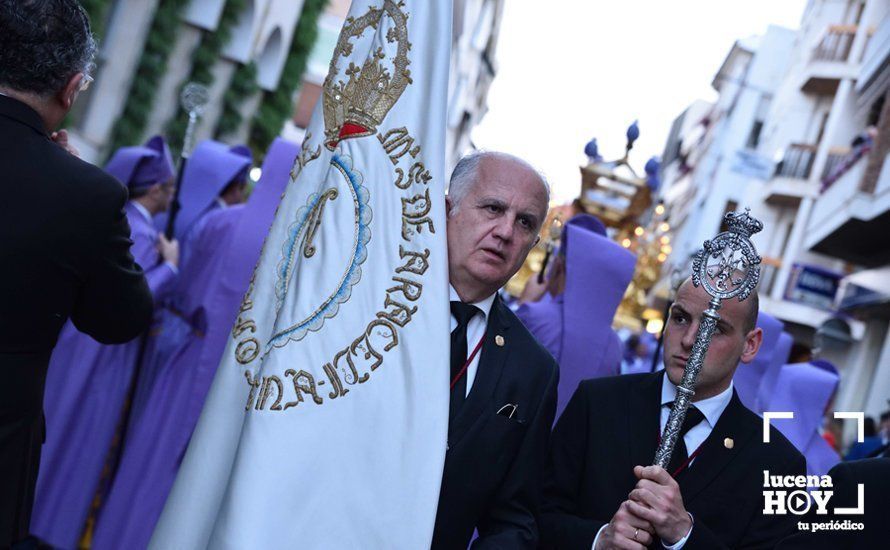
714	455
488	373
643	420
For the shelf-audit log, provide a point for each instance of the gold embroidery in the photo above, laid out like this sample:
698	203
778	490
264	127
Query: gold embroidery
350	376
247	350
315	216
396	143
412	290
417	174
305	157
308	387
338	390
355	108
264	395
418	261
415	212
380	336
242	325
401	315
254	384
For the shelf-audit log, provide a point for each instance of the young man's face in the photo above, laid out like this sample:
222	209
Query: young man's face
730	343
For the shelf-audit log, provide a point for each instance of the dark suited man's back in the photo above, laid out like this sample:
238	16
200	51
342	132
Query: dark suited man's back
64	247
64	240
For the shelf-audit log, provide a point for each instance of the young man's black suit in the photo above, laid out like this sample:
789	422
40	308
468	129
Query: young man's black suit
64	252
492	477
612	424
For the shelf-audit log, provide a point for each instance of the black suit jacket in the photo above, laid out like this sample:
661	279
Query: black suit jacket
612	424
64	252
492	476
874	475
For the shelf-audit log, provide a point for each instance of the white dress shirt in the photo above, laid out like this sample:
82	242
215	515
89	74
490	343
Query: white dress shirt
143	210
711	408
475	331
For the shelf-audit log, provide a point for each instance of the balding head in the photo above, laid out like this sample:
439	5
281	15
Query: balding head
468	171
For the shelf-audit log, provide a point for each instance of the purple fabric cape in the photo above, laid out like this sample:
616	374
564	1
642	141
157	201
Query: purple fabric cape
544	320
138	167
210	168
86	387
748	376
806	389
598	271
152	456
771	376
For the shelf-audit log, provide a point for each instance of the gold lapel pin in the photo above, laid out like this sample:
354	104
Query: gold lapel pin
499	340
728	443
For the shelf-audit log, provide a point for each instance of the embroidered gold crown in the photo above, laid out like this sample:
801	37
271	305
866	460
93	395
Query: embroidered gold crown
355	108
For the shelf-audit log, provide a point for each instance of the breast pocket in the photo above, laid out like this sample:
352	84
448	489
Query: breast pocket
505	434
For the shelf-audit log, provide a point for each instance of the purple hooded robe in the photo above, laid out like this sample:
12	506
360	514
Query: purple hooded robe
211	167
577	326
806	389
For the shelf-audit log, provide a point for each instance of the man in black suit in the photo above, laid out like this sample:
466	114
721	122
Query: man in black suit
64	238
503	395
598	491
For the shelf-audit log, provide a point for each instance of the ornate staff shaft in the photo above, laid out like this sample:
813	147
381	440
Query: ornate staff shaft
193	98
686	389
735	273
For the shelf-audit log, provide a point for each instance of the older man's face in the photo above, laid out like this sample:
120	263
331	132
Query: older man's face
729	344
495	225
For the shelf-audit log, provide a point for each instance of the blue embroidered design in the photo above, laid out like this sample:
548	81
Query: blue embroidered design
330	307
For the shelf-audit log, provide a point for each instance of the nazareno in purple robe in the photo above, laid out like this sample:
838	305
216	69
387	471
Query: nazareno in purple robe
806	389
211	167
748	377
598	271
87	383
216	280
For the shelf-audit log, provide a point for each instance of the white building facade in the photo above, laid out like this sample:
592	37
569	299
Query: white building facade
814	145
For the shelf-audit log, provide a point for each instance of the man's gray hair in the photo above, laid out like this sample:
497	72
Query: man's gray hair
467	169
43	43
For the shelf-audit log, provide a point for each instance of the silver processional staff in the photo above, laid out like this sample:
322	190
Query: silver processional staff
194	98
728	266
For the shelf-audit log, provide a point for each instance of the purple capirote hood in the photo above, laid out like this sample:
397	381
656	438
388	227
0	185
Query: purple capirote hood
142	166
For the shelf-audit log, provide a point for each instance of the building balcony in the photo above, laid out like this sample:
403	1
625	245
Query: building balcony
873	76
830	61
790	180
850	222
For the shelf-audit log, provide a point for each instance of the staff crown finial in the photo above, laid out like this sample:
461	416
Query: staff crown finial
742	223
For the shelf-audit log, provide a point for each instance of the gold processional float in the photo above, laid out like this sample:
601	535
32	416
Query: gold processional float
613	192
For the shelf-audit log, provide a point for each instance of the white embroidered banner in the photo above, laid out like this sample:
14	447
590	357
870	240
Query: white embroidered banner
327	421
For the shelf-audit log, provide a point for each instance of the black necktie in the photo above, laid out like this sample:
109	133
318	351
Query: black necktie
463	313
681	453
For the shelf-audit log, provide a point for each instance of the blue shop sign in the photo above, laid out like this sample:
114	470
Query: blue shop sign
812	285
